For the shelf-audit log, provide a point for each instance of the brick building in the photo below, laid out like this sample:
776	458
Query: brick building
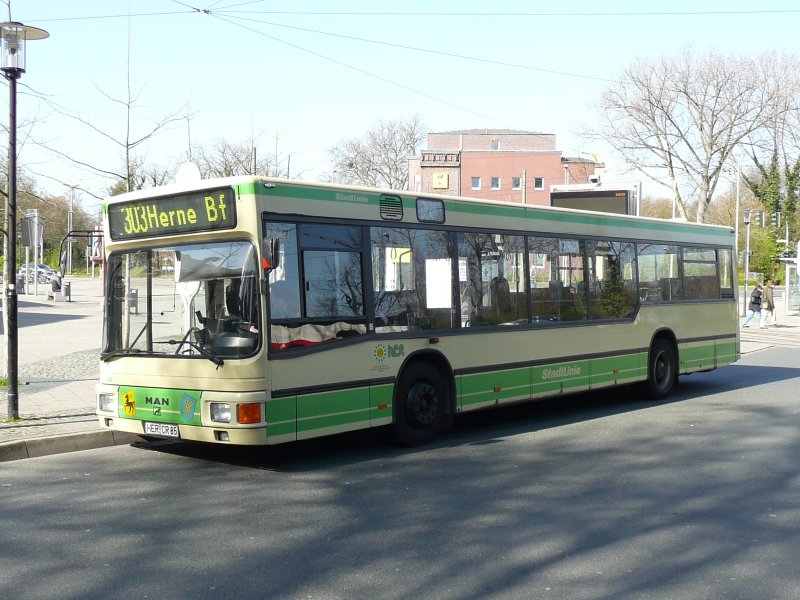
495	164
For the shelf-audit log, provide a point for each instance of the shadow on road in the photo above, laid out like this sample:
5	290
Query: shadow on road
474	428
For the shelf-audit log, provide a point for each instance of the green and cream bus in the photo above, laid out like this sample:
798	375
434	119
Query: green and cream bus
262	311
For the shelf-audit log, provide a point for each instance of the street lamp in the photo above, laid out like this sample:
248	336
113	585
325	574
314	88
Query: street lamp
13	37
747	214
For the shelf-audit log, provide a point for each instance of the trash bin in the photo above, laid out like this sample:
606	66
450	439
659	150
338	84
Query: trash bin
20	284
66	290
133	300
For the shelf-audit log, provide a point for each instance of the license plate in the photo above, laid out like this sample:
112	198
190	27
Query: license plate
162	429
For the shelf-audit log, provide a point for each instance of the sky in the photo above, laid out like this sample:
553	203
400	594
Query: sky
300	76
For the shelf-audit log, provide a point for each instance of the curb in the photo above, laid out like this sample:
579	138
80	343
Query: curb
72	442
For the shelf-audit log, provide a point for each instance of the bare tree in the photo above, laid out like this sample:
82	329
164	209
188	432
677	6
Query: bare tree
134	174
225	159
380	158
681	118
141	175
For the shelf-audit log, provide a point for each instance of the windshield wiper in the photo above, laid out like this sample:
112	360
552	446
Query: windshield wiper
202	351
104	356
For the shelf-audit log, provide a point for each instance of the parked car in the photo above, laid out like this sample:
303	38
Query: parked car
44	273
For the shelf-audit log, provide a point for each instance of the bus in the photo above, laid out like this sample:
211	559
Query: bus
259	311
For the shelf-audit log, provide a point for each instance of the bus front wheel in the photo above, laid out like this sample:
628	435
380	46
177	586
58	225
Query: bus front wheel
662	371
419	405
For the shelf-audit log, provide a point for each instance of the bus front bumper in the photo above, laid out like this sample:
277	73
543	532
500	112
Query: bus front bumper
212	434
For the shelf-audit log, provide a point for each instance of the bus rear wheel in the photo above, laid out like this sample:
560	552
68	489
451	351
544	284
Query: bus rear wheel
420	399
662	370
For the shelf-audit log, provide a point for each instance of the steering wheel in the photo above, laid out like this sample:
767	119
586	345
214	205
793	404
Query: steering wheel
238	325
185	338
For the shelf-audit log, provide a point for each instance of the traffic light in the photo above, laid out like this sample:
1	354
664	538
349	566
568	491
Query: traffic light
775	218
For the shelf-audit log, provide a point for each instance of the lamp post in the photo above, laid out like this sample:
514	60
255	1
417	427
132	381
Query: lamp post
13	37
747	218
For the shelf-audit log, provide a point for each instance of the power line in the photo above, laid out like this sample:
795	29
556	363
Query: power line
428	51
558	14
357	69
121	16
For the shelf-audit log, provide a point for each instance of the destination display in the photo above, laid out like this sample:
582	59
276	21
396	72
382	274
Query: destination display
204	210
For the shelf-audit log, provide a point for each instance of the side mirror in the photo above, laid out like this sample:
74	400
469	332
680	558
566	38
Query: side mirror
270	253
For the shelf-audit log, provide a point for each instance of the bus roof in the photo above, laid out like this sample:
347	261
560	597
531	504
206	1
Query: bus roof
246	185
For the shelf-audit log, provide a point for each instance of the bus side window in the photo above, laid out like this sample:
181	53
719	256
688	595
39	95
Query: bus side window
701	280
412	279
327	304
659	273
612	279
492	280
284	281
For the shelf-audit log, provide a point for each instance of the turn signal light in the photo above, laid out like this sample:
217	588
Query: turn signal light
248	413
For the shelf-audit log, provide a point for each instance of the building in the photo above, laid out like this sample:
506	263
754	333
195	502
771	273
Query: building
495	164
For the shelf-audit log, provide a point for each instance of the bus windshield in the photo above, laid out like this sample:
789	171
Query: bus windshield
193	300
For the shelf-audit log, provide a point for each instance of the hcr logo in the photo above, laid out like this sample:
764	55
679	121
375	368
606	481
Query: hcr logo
395	350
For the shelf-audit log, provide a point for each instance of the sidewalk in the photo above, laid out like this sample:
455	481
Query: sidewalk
58	369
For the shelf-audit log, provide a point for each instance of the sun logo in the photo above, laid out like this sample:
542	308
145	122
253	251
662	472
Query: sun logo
380	353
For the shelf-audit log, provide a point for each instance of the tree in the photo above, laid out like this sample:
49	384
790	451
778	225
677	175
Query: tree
683	117
54	210
140	176
226	159
380	157
657	208
128	139
775	152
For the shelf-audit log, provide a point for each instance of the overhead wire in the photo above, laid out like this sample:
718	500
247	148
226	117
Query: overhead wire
117	16
428	50
357	69
538	14
227	14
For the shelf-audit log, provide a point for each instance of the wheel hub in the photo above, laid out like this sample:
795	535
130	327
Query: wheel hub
423	403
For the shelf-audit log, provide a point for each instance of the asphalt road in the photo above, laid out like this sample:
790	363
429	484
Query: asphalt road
599	496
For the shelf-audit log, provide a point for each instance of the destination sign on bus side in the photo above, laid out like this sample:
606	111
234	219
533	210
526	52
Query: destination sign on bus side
199	211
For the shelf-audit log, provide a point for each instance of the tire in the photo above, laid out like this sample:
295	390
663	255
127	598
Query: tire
419	405
662	370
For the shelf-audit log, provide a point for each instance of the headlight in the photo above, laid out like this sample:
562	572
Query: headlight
221	412
107	402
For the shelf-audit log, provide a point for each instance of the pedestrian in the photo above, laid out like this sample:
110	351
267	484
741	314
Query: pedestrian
55	282
755	306
768	306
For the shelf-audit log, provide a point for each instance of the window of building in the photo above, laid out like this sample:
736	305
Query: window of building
538	183
495	183
495	144
516	183
476	183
